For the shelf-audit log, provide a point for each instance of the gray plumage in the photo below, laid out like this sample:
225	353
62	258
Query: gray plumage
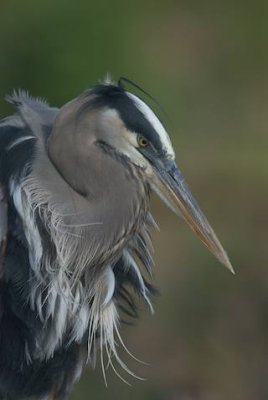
80	202
89	222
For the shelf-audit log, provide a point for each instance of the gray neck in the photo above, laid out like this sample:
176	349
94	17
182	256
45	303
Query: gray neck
99	208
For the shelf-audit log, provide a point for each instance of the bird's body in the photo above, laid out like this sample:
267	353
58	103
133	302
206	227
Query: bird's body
74	233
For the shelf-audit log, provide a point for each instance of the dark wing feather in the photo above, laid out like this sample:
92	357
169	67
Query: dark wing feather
14	131
3	226
18	136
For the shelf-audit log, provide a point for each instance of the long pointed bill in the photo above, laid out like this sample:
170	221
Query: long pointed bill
168	182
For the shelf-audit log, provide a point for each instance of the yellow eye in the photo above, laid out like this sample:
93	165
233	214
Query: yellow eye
142	141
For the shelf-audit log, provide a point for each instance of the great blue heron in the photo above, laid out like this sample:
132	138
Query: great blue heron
74	220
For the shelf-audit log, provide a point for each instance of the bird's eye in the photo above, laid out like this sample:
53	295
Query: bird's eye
142	142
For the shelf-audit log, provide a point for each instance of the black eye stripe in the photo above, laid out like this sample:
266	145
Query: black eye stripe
116	98
135	121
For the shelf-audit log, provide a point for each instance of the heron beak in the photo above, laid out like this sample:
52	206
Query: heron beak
168	182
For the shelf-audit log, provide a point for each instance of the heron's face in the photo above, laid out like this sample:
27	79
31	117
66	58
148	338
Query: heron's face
133	129
110	116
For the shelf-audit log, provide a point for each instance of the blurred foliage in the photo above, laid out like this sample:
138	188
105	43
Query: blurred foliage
207	63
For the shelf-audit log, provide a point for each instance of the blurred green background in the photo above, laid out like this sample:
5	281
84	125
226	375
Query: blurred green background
207	63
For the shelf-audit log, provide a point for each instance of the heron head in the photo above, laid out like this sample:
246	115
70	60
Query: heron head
109	115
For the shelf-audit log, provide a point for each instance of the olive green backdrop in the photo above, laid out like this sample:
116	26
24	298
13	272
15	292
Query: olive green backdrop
207	63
